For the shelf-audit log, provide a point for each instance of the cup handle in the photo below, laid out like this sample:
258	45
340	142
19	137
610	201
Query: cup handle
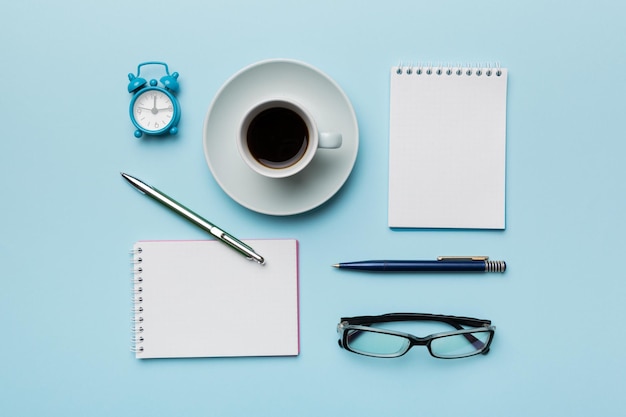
329	140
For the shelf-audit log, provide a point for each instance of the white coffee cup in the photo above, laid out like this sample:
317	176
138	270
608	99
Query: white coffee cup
278	138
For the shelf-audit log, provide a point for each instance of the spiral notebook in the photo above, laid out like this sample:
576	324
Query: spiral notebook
447	147
202	299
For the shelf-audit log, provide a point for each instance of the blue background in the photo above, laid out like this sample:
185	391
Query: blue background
68	219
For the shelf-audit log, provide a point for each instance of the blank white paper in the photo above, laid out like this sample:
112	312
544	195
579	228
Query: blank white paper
447	149
203	299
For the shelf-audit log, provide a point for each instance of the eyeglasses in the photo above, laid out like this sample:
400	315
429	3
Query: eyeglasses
471	337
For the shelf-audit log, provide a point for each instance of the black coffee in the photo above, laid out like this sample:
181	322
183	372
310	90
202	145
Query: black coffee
277	137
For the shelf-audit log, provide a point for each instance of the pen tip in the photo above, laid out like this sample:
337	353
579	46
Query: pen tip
336	265
126	177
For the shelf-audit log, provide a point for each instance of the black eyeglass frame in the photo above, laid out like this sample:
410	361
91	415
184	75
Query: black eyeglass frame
363	323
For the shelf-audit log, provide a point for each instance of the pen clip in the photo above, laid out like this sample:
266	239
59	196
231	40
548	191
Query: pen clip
244	249
461	258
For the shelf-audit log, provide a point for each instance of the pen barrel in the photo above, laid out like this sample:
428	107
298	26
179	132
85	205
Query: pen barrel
434	266
218	233
427	266
188	214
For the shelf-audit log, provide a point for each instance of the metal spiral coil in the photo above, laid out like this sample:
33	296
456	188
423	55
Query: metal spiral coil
467	70
495	266
137	310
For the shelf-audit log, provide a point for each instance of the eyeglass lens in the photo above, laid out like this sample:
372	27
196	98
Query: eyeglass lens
376	344
460	345
389	345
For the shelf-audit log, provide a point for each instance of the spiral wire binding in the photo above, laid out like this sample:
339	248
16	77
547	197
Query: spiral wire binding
468	70
137	310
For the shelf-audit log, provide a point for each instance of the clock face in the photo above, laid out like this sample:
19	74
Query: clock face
153	110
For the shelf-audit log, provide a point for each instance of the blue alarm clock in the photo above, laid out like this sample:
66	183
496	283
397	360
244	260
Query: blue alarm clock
154	110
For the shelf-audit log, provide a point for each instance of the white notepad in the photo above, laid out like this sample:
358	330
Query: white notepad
447	148
203	299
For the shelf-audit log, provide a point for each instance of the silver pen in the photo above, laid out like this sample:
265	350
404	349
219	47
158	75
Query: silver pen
219	234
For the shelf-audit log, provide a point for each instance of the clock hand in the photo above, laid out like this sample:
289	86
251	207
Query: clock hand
154	108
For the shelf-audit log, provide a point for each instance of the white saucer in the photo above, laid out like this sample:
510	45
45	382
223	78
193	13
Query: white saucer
328	105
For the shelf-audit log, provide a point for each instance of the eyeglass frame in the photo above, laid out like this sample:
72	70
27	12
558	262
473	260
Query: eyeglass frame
363	322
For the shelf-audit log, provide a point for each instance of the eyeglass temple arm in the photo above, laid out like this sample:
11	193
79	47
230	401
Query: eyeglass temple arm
455	321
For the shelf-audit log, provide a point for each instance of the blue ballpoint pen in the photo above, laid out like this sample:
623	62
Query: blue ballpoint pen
442	264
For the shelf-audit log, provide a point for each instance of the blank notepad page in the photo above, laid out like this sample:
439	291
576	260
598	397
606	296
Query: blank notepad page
447	148
203	299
